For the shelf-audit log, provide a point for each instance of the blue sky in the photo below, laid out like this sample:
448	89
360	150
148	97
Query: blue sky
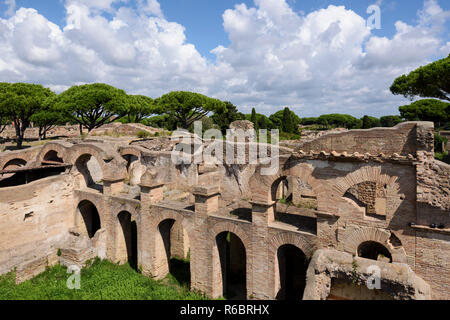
264	53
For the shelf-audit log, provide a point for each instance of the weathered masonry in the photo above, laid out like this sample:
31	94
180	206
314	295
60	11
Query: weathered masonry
338	207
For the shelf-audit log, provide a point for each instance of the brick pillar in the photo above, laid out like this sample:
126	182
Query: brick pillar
112	186
327	229
151	194
262	215
206	203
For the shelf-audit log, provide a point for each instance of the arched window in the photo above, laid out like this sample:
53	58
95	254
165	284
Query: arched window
375	251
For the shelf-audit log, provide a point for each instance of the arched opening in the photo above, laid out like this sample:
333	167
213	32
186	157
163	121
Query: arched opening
15	164
135	169
88	219
290	274
91	170
16	173
127	240
375	251
168	258
13	179
233	263
286	190
280	191
52	156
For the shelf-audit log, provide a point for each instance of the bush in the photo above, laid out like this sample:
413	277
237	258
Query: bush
143	134
439	141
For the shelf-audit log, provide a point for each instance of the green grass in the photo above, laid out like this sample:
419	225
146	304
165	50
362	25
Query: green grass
101	281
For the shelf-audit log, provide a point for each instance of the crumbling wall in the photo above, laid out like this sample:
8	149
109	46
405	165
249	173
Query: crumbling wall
433	182
403	139
34	219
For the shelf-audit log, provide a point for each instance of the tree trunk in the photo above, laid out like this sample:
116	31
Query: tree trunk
19	137
81	129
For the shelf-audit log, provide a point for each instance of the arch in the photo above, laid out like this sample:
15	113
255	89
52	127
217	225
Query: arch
91	170
13	179
230	266
53	156
49	150
162	240
282	238
306	245
218	256
126	239
373	250
87	219
15	163
233	228
280	189
384	237
365	174
291	265
12	164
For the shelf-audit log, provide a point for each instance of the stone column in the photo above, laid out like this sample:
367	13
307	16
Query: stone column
206	203
263	213
111	187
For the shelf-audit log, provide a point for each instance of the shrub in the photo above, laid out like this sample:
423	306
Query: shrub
143	134
439	141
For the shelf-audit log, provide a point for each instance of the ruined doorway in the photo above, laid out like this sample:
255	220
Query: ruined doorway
292	265
374	251
127	240
233	264
88	219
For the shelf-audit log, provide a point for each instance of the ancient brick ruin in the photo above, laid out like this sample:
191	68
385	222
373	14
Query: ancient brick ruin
339	205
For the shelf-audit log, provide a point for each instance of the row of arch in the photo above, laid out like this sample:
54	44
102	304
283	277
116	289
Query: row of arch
230	254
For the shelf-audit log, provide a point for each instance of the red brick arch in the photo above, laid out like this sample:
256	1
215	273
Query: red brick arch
216	266
364	174
356	237
307	245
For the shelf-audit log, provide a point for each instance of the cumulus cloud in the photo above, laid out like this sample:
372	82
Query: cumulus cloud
325	61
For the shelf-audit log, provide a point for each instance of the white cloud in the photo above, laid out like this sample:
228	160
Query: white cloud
325	61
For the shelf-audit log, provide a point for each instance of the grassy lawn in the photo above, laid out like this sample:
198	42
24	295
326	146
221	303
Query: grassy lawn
102	281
